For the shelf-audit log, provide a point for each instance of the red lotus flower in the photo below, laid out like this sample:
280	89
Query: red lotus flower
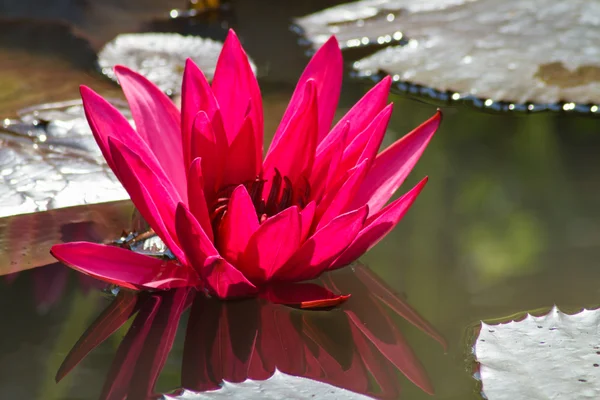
234	222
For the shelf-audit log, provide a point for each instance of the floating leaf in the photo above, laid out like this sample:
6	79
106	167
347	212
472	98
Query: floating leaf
512	51
279	386
160	57
49	160
549	357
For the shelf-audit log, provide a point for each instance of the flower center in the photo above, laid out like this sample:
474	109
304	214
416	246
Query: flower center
283	194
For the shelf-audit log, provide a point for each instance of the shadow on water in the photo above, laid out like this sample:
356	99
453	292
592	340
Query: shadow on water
509	221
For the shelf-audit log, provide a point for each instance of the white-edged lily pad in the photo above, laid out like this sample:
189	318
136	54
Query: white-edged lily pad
279	386
555	356
517	51
49	160
160	57
366	22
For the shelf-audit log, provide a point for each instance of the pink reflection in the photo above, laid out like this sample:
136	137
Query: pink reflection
356	347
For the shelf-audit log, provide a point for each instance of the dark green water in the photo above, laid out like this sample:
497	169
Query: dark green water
508	222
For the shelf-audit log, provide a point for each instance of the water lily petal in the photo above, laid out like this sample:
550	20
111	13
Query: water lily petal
196	96
317	253
124	267
360	115
378	226
366	144
394	164
302	295
306	219
194	240
235	86
238	225
197	199
326	69
340	199
106	121
210	144
152	199
271	245
225	281
157	121
326	165
294	153
241	164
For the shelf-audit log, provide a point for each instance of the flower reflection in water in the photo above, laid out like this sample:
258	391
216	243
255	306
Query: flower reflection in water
356	346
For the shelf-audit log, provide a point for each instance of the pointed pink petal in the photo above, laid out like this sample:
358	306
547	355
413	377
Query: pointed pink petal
378	226
157	121
394	164
225	281
111	319
385	294
210	144
317	253
241	165
222	279
342	197
306	219
197	199
271	245
153	200
294	153
235	86
366	144
326	69
196	96
326	165
106	121
123	267
193	239
361	115
302	295
238	225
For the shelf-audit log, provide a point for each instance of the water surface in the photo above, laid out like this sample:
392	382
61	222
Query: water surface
509	220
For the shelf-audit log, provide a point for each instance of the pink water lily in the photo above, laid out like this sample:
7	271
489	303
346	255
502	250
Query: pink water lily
237	224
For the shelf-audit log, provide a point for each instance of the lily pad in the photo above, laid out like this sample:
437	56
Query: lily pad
549	357
530	51
278	386
160	57
49	160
